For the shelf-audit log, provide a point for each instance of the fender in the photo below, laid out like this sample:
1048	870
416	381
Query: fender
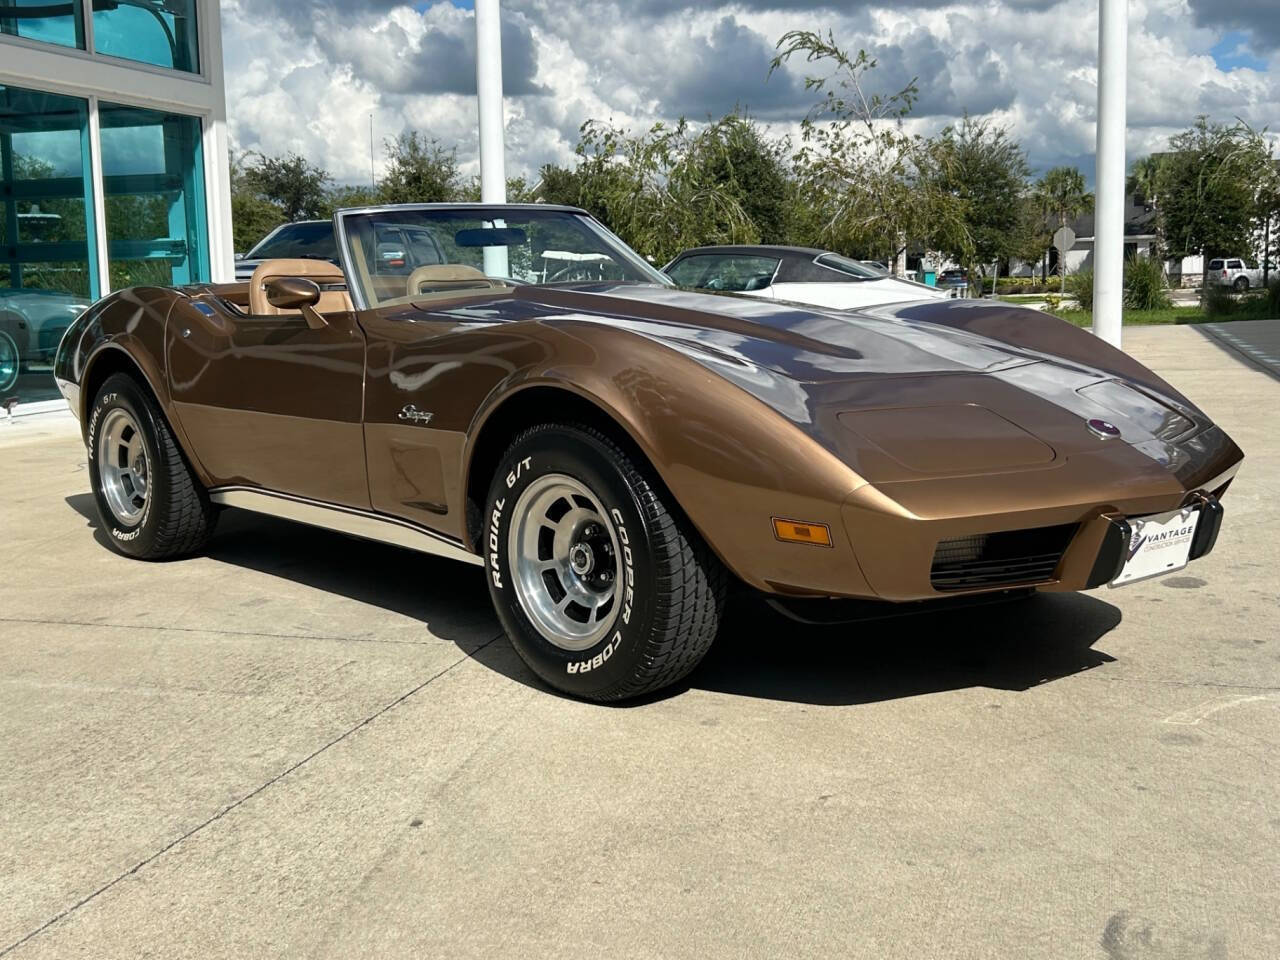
130	323
731	481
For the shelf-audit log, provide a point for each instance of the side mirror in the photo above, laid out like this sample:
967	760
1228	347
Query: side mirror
296	293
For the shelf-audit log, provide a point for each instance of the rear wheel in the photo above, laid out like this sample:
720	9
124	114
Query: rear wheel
602	587
152	506
1242	284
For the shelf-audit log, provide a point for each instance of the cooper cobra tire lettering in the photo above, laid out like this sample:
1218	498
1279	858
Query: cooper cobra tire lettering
586	666
629	591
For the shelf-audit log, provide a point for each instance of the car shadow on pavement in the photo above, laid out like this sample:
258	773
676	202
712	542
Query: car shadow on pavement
449	598
1006	646
760	653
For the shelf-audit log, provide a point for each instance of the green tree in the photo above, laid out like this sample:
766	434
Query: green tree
252	215
1063	196
1208	188
1144	183
651	189
420	170
738	157
870	184
293	183
985	169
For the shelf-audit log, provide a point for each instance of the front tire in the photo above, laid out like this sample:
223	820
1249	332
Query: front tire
602	587
151	505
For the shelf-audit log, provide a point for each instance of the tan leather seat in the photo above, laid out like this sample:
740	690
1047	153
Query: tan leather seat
448	276
321	272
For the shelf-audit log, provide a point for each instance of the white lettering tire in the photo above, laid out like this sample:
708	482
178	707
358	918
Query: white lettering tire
571	516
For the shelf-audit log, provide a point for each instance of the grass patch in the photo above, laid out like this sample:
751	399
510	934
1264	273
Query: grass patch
1219	310
1142	318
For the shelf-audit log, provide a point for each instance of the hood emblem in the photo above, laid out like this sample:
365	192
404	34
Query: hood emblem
1103	429
414	415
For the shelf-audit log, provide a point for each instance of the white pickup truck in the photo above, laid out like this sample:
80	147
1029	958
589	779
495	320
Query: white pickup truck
1235	273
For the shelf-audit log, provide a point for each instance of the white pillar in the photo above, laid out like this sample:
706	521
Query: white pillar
1108	267
493	172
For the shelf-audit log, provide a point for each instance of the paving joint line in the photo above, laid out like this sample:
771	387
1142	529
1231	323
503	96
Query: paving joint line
226	633
243	800
1179	683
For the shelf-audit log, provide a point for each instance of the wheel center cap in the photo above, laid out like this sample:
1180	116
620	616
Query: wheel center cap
582	559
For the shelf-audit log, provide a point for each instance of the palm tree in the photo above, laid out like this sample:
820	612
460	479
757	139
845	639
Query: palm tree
1144	182
1144	179
1062	194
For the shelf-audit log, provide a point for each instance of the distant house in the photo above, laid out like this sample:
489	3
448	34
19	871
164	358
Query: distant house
1139	235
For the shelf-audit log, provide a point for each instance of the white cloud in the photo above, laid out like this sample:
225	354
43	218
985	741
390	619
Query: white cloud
308	83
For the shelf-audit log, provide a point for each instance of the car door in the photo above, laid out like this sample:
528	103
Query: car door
430	367
267	401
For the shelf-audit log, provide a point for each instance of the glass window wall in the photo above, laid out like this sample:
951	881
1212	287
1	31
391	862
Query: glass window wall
159	32
48	258
153	179
49	21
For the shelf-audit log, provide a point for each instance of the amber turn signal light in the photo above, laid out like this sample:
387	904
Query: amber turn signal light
793	531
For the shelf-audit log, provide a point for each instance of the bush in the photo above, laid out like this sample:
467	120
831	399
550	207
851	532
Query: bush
1273	300
1080	286
1218	302
1144	285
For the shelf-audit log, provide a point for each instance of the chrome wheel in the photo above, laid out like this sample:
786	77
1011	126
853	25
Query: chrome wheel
123	467
564	561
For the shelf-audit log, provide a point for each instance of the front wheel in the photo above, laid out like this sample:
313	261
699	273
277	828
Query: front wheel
602	587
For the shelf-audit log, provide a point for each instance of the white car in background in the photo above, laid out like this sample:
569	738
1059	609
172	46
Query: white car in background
1235	273
797	274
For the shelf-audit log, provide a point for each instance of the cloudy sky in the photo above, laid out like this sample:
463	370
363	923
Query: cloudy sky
1029	64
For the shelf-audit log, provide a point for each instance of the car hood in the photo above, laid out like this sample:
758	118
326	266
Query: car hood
803	343
822	369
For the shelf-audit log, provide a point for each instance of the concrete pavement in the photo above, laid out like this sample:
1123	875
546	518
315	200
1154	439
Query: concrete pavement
300	745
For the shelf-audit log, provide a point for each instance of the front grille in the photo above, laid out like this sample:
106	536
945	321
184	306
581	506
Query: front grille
1000	559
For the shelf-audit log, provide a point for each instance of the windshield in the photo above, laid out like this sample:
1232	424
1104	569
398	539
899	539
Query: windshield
406	253
297	241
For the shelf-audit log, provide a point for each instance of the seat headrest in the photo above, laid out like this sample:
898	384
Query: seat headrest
451	275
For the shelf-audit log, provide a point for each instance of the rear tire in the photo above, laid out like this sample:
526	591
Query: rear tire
1242	284
151	505
603	588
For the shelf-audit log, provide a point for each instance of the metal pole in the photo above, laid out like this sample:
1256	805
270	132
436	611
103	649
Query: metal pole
493	174
373	177
1108	269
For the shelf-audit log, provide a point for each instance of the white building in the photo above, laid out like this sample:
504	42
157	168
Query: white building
113	164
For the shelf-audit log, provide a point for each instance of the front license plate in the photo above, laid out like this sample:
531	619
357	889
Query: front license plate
1159	544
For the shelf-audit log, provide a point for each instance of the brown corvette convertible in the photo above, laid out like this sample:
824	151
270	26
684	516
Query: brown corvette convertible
513	387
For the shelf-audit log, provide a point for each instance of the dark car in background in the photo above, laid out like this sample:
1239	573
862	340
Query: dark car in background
304	240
